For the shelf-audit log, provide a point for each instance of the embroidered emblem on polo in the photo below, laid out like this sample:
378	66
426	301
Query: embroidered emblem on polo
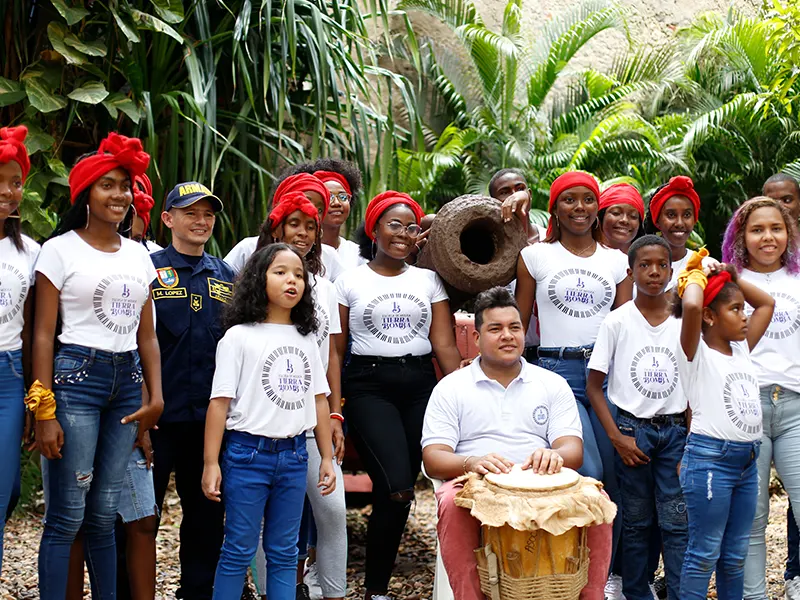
541	414
167	277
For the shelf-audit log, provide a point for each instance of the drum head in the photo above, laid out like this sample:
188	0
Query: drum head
517	479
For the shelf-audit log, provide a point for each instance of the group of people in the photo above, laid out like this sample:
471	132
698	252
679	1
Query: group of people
670	376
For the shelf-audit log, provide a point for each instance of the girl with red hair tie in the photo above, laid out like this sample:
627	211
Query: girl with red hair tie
621	214
397	314
97	282
19	254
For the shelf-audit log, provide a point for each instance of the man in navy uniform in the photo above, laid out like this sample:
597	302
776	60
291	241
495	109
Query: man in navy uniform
189	294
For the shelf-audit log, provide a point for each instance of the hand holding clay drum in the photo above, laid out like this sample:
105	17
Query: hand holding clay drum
534	531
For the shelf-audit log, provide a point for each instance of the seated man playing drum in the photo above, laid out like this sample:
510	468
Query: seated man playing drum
484	418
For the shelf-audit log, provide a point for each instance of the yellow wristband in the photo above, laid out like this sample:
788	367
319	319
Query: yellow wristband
693	273
41	402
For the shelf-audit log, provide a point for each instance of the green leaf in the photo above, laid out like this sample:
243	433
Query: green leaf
118	102
93	92
169	10
57	32
41	98
11	92
128	29
37	139
147	21
95	48
71	14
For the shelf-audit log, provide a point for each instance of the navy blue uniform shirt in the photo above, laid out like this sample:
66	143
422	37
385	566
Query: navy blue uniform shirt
189	300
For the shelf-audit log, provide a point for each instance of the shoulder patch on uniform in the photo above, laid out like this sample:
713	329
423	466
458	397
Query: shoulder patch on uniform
196	302
160	293
167	276
220	290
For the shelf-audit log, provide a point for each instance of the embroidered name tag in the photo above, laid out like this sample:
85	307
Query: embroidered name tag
220	290
159	293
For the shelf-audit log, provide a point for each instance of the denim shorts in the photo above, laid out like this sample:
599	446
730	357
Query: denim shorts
138	498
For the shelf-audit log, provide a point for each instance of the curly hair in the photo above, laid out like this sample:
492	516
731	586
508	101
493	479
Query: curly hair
734	249
250	303
313	258
346	169
724	295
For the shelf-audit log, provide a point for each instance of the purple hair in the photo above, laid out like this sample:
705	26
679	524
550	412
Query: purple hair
734	250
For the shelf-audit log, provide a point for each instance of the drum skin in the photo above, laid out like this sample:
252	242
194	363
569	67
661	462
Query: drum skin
470	247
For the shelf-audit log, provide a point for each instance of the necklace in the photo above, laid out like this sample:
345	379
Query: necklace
582	252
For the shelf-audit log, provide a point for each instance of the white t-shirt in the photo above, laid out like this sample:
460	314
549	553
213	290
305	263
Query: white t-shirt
327	310
16	279
272	373
574	293
475	415
777	355
722	392
152	247
242	251
677	267
390	316
641	362
102	293
349	254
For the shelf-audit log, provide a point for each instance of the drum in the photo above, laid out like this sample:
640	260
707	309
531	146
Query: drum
533	531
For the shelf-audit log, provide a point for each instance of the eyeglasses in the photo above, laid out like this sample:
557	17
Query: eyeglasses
396	228
342	197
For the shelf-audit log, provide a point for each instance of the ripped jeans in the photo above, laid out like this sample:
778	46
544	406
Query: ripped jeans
720	484
94	390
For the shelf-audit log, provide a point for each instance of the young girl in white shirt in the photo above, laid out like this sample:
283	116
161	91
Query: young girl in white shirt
269	389
718	473
761	240
17	256
97	283
294	220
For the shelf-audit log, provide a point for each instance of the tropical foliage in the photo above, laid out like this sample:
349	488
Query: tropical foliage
227	93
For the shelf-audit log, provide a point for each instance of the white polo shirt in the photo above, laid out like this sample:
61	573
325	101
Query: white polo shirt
476	415
242	251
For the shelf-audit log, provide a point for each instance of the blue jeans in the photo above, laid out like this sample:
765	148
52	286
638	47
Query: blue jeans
94	391
262	478
719	479
12	420
779	444
652	498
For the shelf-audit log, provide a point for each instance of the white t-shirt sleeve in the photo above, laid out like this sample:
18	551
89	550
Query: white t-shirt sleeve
531	258
438	293
319	381
441	420
619	266
51	265
343	291
228	371
604	346
333	309
688	370
564	417
238	255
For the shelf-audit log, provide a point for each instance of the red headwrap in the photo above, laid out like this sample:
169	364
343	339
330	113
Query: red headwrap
302	182
714	286
143	198
115	152
326	176
567	181
622	193
382	202
677	186
289	203
12	147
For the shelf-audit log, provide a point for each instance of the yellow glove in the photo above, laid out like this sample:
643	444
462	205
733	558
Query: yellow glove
41	402
693	273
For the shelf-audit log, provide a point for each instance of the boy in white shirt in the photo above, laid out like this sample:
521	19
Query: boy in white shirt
637	349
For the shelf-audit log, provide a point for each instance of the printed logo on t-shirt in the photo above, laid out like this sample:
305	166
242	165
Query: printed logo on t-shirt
395	318
13	290
654	372
742	402
785	317
117	302
579	293
540	414
324	326
286	377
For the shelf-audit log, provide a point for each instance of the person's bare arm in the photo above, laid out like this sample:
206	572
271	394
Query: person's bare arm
150	355
763	306
334	377
27	338
567	451
322	434
692	319
216	416
441	462
525	292
443	338
624	292
340	339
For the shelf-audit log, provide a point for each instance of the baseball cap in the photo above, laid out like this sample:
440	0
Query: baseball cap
187	193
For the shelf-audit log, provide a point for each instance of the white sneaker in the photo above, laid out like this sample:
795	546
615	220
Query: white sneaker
311	579
792	588
374	597
613	589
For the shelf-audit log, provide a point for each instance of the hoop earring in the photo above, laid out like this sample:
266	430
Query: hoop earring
88	215
135	214
16	216
596	223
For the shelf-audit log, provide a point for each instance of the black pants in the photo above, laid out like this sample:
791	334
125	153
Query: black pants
179	447
386	403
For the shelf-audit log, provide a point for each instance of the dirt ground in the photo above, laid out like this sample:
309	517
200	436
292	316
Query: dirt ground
413	575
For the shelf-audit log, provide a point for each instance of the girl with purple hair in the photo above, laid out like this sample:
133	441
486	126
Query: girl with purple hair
761	240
